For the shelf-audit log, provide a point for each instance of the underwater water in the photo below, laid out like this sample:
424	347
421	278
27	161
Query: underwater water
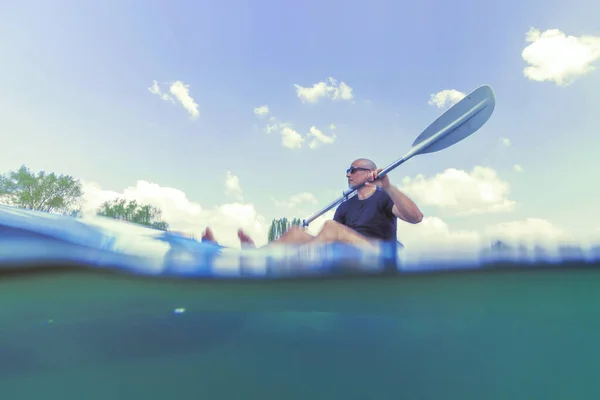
496	334
94	310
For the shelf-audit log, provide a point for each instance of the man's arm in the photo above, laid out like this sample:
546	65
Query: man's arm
404	208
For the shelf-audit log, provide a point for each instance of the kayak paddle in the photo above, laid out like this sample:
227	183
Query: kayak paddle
460	121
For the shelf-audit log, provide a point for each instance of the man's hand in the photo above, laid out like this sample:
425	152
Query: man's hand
374	180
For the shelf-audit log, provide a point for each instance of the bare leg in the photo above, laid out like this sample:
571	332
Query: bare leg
335	232
331	232
294	235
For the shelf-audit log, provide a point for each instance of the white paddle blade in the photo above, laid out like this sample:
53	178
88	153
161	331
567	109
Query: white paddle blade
460	121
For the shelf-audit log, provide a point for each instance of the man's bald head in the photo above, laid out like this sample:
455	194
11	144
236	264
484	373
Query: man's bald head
365	163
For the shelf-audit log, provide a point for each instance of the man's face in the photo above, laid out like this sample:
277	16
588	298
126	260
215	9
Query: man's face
357	174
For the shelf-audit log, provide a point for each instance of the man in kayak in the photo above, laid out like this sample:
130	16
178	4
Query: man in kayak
365	219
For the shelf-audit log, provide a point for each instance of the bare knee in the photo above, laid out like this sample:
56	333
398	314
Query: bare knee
295	234
335	232
331	225
296	231
331	229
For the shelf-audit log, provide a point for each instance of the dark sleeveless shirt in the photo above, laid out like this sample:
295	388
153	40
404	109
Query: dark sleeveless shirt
371	217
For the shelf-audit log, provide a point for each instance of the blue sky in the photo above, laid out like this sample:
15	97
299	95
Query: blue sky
76	99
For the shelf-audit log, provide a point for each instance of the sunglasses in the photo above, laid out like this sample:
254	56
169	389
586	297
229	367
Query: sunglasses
352	170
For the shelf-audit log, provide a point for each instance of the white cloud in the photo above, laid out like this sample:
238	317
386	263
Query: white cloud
275	126
447	97
185	215
297	199
329	88
319	137
460	192
505	141
518	168
555	57
528	227
181	92
173	202
154	89
434	231
232	186
433	244
262	110
528	232
291	139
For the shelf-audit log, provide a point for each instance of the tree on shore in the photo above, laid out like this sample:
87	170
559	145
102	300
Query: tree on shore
43	191
280	225
132	211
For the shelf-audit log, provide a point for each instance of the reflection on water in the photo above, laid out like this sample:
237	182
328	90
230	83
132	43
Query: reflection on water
471	335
